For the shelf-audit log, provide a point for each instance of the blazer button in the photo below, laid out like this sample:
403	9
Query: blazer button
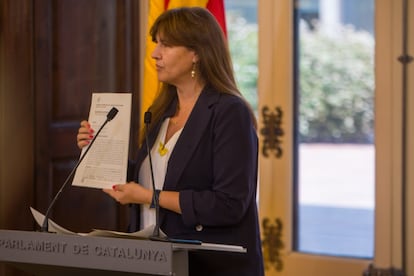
199	227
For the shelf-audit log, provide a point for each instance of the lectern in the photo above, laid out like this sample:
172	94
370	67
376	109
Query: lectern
47	254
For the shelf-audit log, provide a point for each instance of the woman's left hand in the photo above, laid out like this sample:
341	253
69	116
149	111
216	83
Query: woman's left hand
130	193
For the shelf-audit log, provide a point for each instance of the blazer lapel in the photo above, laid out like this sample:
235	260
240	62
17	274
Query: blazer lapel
190	137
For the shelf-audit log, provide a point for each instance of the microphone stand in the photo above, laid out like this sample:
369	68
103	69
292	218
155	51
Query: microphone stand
155	195
111	114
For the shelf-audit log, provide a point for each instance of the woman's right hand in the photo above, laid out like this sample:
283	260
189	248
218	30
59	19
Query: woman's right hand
85	134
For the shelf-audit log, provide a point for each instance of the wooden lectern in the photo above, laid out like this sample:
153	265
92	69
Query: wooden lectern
47	254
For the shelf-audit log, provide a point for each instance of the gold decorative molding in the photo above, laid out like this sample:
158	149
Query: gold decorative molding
272	131
272	244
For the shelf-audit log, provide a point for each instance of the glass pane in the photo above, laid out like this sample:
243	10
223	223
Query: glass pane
335	127
241	19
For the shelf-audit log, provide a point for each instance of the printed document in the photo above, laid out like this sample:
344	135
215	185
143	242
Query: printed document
53	227
106	162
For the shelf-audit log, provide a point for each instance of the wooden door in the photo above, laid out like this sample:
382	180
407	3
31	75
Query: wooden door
53	55
80	47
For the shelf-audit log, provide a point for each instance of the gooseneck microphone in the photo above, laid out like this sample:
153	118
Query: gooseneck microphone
111	114
155	195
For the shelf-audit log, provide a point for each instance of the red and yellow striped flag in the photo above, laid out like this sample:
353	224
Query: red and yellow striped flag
156	7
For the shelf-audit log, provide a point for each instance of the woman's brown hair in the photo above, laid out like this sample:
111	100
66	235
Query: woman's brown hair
196	29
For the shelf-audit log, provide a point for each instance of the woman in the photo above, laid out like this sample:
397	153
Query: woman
203	148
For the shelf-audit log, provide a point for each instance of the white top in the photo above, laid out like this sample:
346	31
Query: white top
159	165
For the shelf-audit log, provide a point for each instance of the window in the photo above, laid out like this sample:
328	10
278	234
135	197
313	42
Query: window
335	153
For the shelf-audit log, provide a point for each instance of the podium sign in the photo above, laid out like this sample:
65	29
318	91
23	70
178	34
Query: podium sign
54	254
67	255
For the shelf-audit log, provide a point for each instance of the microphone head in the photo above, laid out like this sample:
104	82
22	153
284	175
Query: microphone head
147	117
112	113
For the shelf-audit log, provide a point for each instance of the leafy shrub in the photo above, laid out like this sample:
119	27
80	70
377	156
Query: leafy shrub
336	82
336	102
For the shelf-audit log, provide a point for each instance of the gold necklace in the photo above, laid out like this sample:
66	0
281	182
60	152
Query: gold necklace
162	150
180	119
174	121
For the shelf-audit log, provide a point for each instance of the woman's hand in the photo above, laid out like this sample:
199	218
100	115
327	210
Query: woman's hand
85	134
130	193
135	193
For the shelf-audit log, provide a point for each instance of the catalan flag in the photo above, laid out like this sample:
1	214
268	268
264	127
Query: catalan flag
156	7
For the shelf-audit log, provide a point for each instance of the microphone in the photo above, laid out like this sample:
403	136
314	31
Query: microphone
111	114
155	195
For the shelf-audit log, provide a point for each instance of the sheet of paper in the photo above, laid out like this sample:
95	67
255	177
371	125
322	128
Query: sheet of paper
106	162
56	228
142	234
52	226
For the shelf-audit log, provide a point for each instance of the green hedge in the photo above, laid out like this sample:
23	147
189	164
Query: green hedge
336	85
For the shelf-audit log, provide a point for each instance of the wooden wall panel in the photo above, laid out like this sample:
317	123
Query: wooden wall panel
16	118
16	114
53	55
81	46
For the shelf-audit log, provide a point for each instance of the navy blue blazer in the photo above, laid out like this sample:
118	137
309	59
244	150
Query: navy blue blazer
214	167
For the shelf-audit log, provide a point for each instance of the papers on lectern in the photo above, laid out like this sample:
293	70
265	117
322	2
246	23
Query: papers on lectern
56	228
142	234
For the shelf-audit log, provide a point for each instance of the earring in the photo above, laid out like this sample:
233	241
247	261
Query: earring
193	72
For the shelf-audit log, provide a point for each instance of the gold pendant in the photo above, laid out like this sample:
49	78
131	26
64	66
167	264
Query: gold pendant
162	150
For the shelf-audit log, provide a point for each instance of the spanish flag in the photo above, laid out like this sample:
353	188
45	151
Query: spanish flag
156	7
